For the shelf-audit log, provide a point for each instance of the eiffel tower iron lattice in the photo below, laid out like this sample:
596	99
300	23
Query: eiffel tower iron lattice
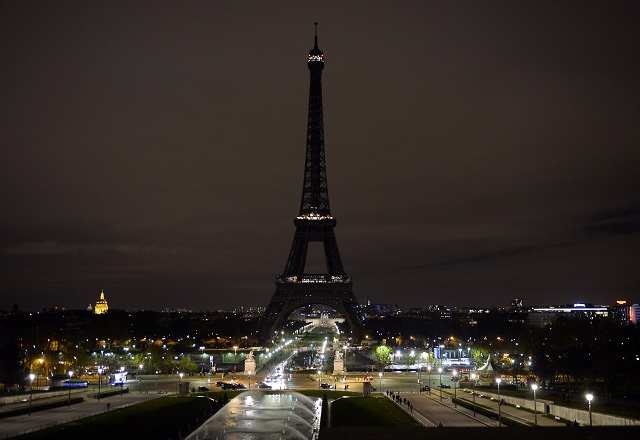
295	288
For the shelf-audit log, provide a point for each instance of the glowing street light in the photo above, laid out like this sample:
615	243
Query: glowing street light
99	381
534	387
380	375
473	385
69	382
498	380
235	359
319	373
429	383
440	371
589	399
32	376
455	388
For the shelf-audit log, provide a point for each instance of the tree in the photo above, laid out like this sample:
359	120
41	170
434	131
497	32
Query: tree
186	365
479	354
11	368
382	356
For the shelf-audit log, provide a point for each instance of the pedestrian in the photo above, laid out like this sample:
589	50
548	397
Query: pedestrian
411	408
108	406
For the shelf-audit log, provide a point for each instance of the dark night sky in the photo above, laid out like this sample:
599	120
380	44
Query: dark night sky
477	151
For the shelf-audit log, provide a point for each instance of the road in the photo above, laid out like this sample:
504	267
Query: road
427	407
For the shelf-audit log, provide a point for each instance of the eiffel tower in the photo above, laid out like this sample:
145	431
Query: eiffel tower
295	288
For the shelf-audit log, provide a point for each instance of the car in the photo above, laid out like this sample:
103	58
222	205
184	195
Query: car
326	386
201	388
374	389
426	388
219	383
264	385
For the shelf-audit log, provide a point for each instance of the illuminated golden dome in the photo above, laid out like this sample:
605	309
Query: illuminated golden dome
101	305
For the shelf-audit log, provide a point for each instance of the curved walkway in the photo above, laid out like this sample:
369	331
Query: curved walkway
22	424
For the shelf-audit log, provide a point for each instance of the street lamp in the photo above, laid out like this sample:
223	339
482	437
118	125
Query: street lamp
589	399
380	375
534	387
69	382
455	388
235	359
429	383
99	381
122	373
498	380
32	376
473	386
126	356
440	371
319	372
249	379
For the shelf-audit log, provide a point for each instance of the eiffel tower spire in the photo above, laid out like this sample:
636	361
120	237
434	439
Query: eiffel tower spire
315	194
295	288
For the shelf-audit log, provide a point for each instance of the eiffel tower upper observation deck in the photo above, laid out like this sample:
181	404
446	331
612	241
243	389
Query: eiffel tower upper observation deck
295	288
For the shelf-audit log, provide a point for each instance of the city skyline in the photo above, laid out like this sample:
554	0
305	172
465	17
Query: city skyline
475	153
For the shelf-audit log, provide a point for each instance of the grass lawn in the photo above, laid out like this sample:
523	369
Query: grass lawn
369	411
164	418
160	418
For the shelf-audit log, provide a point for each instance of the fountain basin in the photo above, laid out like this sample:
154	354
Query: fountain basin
256	415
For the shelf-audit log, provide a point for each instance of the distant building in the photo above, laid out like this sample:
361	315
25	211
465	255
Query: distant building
101	305
543	316
625	313
634	314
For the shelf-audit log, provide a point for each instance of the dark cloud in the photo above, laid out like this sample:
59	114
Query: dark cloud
621	221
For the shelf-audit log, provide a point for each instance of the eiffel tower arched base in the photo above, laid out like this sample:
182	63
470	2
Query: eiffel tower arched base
292	295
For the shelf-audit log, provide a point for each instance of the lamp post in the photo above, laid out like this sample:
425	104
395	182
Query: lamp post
235	359
249	379
429	383
319	372
419	387
122	380
589	399
534	387
70	376
473	386
99	381
380	375
32	376
455	388
498	380
40	361
440	371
